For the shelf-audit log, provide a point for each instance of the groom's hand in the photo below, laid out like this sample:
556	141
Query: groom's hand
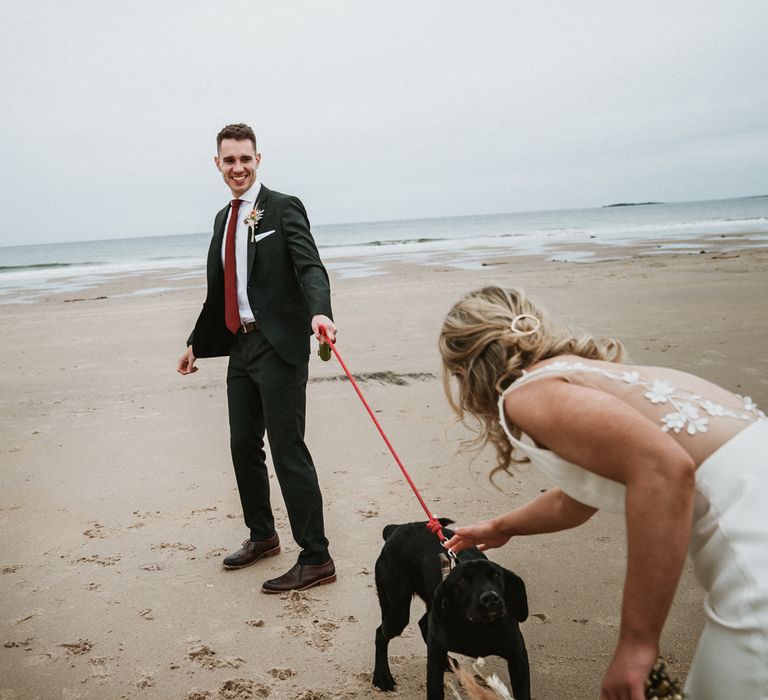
187	362
330	329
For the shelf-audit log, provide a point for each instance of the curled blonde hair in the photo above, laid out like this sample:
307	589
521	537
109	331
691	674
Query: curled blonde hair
484	353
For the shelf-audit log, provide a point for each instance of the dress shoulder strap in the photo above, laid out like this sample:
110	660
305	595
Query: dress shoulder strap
561	368
556	368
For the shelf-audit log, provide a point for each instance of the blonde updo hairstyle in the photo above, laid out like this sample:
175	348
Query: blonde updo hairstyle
488	338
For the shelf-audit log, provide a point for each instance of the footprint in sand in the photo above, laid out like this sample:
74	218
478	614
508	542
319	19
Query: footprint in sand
325	625
147	680
209	509
281	674
81	646
99	667
146	514
243	688
40	659
152	567
98	559
11	569
174	545
96	531
371	512
146	613
322	634
296	603
27	644
310	695
207	658
196	694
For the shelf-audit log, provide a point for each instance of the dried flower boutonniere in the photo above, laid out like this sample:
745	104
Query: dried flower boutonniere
252	219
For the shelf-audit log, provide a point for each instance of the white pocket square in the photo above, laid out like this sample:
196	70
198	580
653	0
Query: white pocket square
259	236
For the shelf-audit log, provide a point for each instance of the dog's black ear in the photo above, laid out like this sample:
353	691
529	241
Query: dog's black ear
440	601
515	596
388	530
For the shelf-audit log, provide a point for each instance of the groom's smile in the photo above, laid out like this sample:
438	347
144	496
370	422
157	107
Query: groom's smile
237	162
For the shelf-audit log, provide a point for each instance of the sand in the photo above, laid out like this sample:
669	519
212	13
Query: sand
118	499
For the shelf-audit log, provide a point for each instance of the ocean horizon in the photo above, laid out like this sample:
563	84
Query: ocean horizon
27	272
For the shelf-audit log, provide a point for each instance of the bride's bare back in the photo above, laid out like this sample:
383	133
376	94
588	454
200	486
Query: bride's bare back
699	415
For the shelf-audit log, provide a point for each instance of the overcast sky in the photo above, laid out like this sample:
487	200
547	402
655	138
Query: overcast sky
373	110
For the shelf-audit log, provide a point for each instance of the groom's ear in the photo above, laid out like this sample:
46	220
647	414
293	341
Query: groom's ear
218	163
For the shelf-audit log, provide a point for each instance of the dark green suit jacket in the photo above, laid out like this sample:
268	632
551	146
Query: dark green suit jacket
287	282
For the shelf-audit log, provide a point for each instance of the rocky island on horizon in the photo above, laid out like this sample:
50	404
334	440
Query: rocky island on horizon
630	204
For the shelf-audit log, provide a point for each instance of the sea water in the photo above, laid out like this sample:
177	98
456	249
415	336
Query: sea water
355	249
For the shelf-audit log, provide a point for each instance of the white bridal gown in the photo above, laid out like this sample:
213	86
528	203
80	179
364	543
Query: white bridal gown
727	436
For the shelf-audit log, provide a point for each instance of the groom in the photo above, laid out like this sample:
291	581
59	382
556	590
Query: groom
267	292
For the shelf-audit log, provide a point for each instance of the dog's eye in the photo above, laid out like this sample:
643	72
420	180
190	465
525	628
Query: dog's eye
496	574
462	583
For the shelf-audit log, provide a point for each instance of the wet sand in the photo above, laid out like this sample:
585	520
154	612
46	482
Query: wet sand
119	501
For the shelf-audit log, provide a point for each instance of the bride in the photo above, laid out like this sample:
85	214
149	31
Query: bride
684	460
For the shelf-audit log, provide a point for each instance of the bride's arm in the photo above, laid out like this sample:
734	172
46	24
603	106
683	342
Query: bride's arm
552	511
606	436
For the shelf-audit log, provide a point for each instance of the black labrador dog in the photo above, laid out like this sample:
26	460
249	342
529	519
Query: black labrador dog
474	610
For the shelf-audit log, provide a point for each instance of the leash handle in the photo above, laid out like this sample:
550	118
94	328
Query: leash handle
434	523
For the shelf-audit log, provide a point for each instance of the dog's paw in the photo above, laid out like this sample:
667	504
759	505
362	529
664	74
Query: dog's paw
383	680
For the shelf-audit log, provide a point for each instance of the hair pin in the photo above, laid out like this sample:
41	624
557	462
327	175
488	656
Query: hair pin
516	330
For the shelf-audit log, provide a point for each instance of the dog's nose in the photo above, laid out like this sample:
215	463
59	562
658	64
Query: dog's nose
490	599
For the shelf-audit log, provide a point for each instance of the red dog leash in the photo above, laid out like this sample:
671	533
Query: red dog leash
434	523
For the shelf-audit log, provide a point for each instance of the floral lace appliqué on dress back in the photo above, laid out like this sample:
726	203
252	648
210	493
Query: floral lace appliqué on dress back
688	407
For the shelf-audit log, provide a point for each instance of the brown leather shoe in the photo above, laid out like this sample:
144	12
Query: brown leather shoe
251	552
301	577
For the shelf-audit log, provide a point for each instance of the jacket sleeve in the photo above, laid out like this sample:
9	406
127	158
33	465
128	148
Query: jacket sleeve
310	270
213	264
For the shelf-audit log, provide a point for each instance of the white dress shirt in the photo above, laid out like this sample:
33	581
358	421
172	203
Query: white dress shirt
247	202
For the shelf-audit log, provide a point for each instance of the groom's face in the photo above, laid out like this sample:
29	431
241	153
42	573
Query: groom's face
237	162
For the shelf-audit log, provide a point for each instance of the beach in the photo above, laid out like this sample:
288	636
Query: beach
119	500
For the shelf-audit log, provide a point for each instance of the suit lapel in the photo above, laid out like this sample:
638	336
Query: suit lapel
261	203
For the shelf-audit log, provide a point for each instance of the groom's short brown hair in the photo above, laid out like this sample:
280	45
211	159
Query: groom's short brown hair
239	132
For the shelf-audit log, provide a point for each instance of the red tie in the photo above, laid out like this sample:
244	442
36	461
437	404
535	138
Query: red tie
231	308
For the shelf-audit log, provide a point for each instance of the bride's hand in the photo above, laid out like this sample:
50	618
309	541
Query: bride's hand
626	674
485	534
